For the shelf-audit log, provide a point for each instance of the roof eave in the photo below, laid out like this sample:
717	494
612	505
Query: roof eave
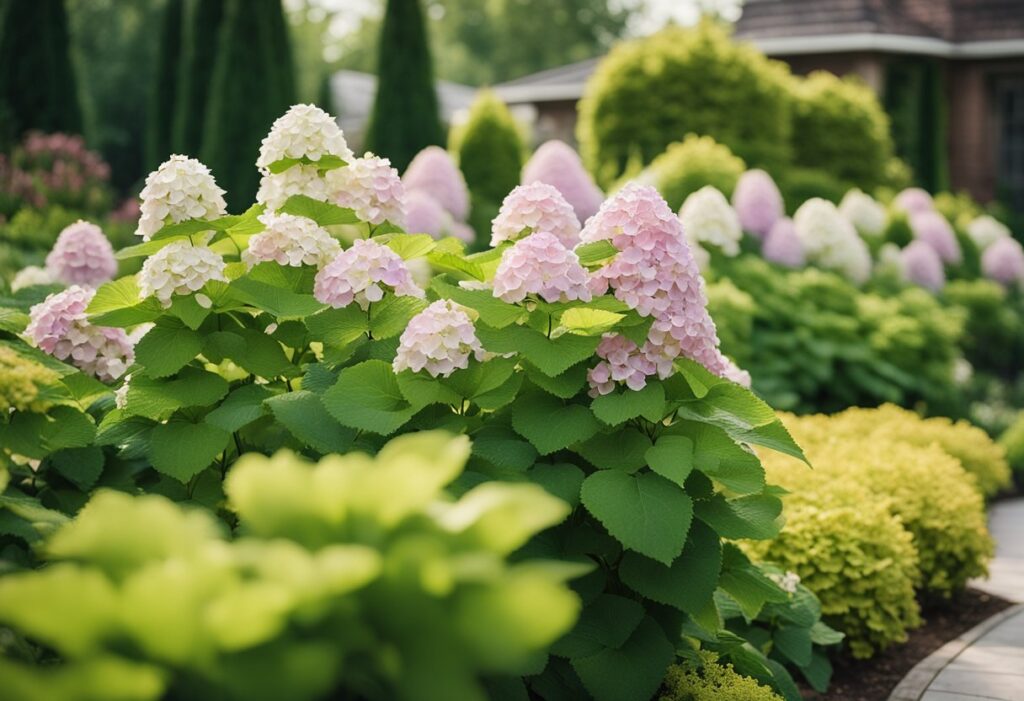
887	43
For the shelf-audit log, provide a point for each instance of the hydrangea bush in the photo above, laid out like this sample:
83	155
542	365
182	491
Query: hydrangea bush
598	381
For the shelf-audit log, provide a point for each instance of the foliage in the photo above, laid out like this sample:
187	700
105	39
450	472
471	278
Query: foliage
733	311
915	99
688	165
335	562
650	92
1012	441
994	325
405	117
713	682
198	54
37	80
801	184
841	129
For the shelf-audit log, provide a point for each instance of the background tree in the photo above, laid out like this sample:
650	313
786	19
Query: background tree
163	88
252	85
199	52
37	83
405	112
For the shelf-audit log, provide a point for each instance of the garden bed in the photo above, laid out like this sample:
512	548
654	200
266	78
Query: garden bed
874	679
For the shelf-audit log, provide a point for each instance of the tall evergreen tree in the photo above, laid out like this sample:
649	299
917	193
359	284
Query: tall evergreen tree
405	112
199	52
163	93
37	82
251	86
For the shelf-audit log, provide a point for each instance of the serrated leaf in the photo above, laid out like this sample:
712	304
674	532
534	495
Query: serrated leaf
625	404
12	320
502	448
794	643
718	456
240	408
409	246
589	321
633	671
688	583
158	399
323	213
118	303
561	479
493	311
390	316
606	622
565	386
366	396
592	254
167	348
551	425
755	517
746	583
337	327
324	163
188	309
645	512
455	263
182	449
623	449
552	356
274	297
672	458
306	418
252	350
81	466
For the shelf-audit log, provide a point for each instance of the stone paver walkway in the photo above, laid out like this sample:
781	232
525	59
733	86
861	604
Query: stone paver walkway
987	662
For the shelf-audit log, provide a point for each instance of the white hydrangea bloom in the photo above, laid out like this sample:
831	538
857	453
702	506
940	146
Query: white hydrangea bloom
304	131
179	268
276	188
866	214
830	241
32	275
181	188
121	393
292	241
787	582
709	219
986	230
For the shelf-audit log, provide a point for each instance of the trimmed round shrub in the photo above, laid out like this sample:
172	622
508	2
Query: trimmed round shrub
733	312
801	184
649	92
713	682
695	162
489	148
840	127
993	339
1012	441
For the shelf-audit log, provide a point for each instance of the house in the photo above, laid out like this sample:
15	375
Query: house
950	73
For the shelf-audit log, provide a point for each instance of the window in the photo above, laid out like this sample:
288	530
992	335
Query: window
1009	104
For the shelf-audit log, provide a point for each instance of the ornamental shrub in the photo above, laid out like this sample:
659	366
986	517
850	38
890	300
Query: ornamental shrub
489	148
801	184
713	681
993	339
840	127
650	92
695	162
1012	441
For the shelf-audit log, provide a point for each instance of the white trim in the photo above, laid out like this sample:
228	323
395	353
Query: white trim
887	43
517	94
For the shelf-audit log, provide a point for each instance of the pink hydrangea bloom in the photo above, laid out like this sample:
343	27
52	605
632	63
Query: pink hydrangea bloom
1003	261
540	265
59	326
434	172
758	202
922	266
621	361
425	215
932	228
361	274
558	165
782	245
535	207
440	340
736	374
82	255
290	240
463	232
370	187
913	200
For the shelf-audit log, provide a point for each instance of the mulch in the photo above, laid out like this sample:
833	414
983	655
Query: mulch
874	679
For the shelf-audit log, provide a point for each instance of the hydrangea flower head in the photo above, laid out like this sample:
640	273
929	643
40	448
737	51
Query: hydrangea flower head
540	264
986	230
82	255
782	245
914	199
708	218
290	240
830	241
866	214
276	188
557	164
425	215
30	276
621	361
440	340
932	228
635	215
361	273
922	266
370	187
758	202
181	188
1003	262
304	131
434	172
59	326
179	268
535	207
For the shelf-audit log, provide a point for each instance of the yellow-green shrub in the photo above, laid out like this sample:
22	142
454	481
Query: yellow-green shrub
713	682
688	165
1012	442
21	381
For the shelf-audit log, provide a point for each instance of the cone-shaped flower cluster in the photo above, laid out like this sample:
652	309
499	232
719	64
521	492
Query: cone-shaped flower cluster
986	230
304	131
29	276
361	274
558	165
866	214
276	188
782	245
758	202
541	265
179	268
425	215
654	273
922	266
82	255
433	172
932	228
1003	262
58	325
440	340
181	188
830	241
292	241
535	207
709	220
914	199
370	187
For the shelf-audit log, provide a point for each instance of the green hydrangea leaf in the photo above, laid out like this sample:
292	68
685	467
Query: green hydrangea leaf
338	327
167	347
552	356
409	246
672	457
118	303
240	408
323	213
502	448
493	311
588	321
182	449
82	466
159	398
606	622
565	386
625	404
688	583
594	254
623	449
391	315
755	516
633	671
746	583
367	396
551	425
561	479
305	417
